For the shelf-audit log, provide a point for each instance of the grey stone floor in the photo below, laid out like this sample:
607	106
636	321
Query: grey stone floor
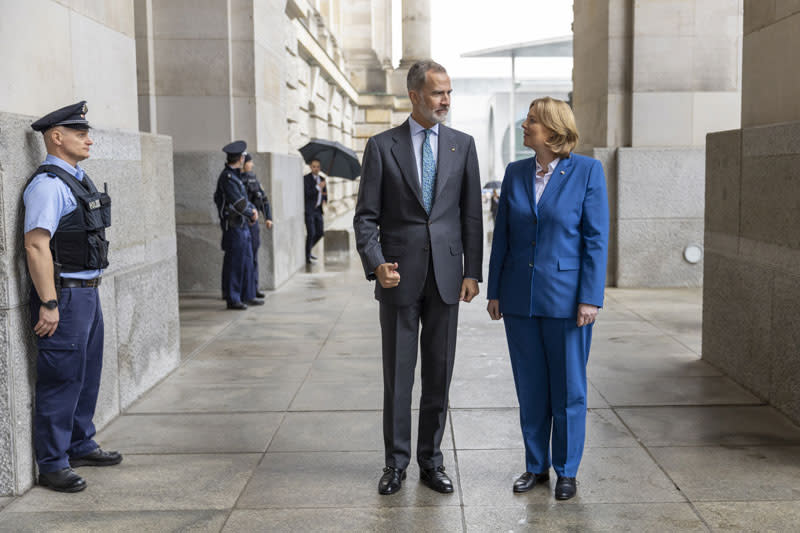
272	423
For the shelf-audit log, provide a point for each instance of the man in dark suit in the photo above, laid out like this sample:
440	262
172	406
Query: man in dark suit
419	232
315	194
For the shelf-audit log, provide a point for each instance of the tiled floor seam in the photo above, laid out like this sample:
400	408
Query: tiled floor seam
252	473
283	419
316	356
458	476
655	325
646	450
183	361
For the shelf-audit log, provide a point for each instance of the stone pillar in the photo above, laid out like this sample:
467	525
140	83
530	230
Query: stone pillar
416	32
145	69
221	71
650	80
752	232
416	42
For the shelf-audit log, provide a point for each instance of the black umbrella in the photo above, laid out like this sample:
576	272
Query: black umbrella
334	158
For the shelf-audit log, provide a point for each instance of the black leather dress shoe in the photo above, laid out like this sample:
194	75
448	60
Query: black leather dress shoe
436	479
313	257
255	301
260	294
391	480
565	488
97	457
527	481
237	305
62	480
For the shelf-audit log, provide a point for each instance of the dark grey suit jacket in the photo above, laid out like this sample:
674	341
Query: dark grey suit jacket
391	224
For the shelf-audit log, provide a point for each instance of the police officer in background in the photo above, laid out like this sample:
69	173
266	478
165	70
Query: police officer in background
65	221
236	214
257	197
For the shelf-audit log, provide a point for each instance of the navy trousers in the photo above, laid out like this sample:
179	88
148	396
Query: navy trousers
548	358
255	243
68	378
314	229
237	265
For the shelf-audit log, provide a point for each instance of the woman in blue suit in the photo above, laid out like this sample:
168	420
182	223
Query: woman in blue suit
546	279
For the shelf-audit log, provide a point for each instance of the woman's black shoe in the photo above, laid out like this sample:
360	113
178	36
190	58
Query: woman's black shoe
565	488
527	481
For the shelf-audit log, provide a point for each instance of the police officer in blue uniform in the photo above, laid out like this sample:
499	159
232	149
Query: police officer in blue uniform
65	221
257	197
236	214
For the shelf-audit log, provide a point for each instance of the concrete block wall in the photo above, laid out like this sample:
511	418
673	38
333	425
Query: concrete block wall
83	39
139	291
282	251
752	264
659	211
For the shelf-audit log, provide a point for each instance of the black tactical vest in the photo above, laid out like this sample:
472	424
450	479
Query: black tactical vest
79	242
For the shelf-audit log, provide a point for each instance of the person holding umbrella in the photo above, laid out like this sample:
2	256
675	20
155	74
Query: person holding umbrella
315	194
334	159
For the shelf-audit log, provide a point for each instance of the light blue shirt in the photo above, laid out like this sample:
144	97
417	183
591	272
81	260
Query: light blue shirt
47	200
417	138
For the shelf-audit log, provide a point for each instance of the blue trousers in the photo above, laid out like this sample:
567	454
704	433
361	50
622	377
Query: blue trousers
255	242
68	378
549	357
237	265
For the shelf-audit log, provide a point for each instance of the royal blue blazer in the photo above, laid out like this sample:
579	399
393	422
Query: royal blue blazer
548	258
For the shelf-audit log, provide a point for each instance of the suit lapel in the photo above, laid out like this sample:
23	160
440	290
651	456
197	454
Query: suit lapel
447	152
403	152
529	170
557	180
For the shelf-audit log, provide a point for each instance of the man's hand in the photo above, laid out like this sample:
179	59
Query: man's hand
387	275
48	322
493	308
587	314
268	223
469	290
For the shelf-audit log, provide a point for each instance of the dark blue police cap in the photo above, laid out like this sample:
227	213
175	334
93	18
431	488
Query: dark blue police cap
72	116
236	147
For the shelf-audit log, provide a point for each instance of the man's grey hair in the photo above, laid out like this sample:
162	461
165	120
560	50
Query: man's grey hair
417	72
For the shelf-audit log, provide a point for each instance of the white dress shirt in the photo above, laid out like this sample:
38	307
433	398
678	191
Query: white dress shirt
540	182
417	138
319	189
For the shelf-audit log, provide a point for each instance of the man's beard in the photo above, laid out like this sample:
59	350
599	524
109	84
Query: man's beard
439	116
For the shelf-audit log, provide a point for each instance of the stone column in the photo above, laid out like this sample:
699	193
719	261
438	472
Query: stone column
651	79
752	277
416	41
416	31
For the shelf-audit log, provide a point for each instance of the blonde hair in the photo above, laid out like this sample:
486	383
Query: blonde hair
556	116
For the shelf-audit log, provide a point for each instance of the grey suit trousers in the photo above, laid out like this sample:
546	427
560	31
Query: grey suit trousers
400	330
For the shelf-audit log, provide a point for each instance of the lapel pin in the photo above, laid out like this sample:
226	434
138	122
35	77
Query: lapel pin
453	149
562	171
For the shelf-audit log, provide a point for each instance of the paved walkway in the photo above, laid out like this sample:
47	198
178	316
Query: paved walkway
272	423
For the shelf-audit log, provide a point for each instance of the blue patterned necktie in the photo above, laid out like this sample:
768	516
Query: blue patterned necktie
428	173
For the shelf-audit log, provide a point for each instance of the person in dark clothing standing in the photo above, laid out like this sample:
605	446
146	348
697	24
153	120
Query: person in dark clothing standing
235	213
66	249
316	194
257	197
